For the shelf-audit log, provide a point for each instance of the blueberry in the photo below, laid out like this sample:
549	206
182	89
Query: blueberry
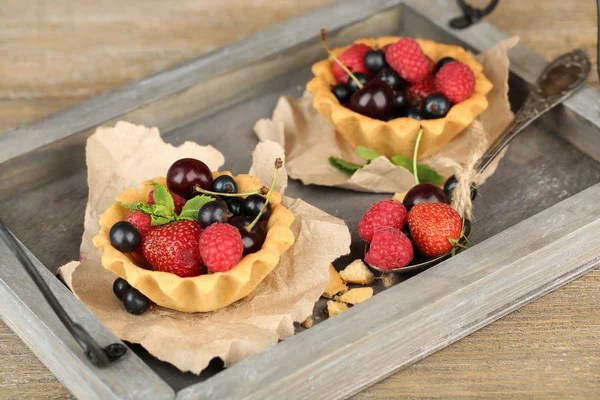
443	62
363	78
375	60
414	113
342	93
392	78
435	106
224	184
135	302
125	237
120	286
253	204
213	212
235	205
401	99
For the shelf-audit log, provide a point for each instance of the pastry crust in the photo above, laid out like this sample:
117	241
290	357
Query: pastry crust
399	135
356	296
336	284
205	292
357	272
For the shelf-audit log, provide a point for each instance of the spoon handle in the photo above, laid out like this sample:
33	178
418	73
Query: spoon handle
561	78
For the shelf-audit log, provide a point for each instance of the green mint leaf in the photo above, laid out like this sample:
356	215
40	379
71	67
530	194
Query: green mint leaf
425	172
162	197
344	166
366	153
192	206
158	220
138	206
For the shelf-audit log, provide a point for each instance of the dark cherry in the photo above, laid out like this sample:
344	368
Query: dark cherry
342	93
423	193
392	78
125	237
443	62
414	113
375	60
120	286
235	205
135	302
186	173
401	99
435	106
373	100
210	213
252	206
450	185
351	83
252	240
224	184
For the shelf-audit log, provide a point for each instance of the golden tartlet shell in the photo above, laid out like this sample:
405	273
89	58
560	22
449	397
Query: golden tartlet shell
201	293
399	135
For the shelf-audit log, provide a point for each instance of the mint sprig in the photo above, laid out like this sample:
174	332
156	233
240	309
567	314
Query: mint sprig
424	172
192	206
163	211
344	166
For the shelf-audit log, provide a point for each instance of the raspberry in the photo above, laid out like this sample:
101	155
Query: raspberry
456	81
383	213
353	59
389	249
407	58
141	221
421	90
221	247
178	200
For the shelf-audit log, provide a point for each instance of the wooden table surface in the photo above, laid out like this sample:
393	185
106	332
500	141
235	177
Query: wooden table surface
59	53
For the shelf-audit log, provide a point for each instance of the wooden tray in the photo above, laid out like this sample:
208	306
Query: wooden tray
537	218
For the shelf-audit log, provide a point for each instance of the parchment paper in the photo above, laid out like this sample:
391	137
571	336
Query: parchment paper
309	139
249	326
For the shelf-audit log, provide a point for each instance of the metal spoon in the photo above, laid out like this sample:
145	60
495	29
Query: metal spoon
561	78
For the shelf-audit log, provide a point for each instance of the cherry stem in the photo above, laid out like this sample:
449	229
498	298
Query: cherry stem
263	190
337	60
278	164
415	171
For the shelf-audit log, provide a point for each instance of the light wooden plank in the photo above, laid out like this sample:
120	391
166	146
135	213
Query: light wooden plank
25	310
426	313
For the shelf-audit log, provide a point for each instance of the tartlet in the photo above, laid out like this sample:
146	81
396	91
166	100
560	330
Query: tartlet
398	136
201	293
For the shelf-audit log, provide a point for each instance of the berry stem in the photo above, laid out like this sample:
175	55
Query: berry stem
337	60
278	164
415	171
263	190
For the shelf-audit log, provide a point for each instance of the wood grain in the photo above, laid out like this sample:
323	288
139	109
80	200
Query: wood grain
58	53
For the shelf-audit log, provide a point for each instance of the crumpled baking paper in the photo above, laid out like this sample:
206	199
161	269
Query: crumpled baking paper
190	340
309	139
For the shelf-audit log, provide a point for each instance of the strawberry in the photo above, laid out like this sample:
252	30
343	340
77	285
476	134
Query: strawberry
434	227
353	59
456	81
407	58
174	248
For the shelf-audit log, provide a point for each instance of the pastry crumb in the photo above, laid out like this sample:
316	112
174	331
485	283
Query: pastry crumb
388	280
308	322
357	272
399	197
334	308
355	296
335	285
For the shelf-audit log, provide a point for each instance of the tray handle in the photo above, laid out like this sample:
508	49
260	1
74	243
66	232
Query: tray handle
471	15
99	356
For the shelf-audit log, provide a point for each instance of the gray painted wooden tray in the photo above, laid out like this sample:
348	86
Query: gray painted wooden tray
537	220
